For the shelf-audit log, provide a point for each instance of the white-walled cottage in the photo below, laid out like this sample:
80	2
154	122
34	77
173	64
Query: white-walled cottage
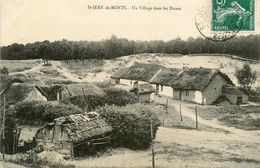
136	74
198	85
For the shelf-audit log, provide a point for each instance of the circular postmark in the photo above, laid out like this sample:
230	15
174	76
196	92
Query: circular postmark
204	24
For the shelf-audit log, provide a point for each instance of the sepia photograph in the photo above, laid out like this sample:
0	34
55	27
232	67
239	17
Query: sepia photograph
130	84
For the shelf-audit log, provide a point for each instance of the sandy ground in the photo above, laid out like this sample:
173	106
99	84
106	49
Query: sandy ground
9	165
188	148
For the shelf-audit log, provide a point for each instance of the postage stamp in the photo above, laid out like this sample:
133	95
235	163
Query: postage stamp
229	15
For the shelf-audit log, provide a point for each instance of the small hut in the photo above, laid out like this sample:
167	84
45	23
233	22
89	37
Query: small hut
145	92
234	94
21	92
76	134
61	92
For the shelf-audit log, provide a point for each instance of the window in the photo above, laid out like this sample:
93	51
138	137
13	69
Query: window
157	89
187	93
161	87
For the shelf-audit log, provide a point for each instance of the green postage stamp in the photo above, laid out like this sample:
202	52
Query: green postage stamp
233	15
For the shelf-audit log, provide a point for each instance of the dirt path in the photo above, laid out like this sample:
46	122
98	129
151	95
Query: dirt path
57	65
188	111
188	147
36	68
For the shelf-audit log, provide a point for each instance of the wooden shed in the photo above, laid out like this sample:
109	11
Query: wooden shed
75	135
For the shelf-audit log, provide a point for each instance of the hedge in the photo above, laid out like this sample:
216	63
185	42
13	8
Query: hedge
131	124
42	111
112	96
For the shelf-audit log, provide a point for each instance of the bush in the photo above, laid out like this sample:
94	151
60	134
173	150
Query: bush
4	70
120	97
93	101
43	111
112	96
131	124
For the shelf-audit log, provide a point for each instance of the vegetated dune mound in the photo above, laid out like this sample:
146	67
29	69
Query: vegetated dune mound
91	71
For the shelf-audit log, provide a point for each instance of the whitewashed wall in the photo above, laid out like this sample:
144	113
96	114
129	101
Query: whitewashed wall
214	89
165	91
193	96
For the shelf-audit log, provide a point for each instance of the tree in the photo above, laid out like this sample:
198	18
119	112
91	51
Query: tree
245	76
45	51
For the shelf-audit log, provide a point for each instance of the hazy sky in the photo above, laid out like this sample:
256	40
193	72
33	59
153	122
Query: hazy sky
24	21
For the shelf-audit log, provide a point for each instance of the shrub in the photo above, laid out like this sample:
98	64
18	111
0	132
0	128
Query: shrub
104	85
4	70
43	111
93	101
113	96
246	76
131	124
120	97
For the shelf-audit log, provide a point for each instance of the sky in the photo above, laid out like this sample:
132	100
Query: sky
25	21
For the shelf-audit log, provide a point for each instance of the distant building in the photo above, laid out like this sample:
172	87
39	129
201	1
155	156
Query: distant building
140	73
76	134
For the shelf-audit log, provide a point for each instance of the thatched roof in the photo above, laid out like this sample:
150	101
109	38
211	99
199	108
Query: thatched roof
165	75
71	90
188	78
50	92
19	92
81	127
145	88
89	89
6	81
232	90
140	72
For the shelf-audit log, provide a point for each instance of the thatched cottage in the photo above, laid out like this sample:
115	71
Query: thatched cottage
136	74
21	92
76	134
61	92
198	85
16	91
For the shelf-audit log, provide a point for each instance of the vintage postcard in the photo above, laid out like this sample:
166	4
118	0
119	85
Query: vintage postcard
128	83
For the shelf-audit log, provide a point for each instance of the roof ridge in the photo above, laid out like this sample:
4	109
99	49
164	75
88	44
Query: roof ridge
155	74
